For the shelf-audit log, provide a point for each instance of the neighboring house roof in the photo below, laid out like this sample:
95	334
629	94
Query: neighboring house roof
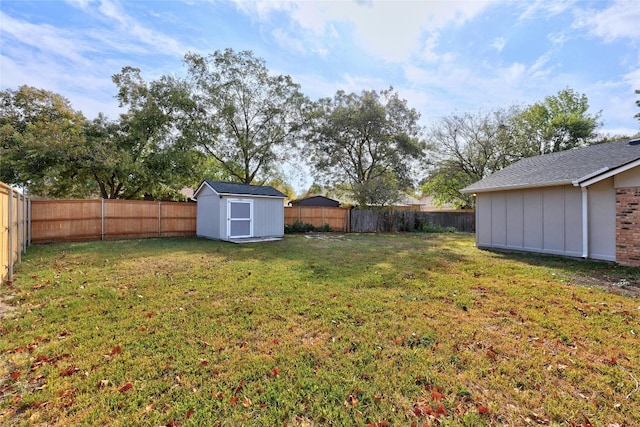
580	166
315	201
235	189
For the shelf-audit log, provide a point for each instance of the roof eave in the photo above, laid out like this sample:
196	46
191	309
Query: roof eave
608	173
514	187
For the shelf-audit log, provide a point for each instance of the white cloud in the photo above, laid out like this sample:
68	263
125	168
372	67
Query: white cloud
620	20
391	30
499	43
287	41
545	8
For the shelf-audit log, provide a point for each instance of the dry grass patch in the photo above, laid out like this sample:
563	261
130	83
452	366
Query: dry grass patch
335	330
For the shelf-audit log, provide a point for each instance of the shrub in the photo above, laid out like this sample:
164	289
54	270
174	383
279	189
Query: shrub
301	227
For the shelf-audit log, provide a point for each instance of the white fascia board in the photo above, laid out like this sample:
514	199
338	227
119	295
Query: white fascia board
250	195
516	187
577	182
195	193
610	173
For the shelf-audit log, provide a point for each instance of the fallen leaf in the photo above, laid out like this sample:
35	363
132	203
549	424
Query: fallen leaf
275	371
116	350
436	395
14	375
351	401
233	401
246	402
190	412
69	371
483	410
127	386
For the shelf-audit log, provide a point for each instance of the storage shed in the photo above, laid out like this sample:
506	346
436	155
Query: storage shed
583	202
239	212
316	201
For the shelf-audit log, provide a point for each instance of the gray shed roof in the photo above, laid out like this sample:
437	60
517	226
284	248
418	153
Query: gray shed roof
233	188
562	168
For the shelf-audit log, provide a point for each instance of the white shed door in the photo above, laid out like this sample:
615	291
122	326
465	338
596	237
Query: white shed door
239	218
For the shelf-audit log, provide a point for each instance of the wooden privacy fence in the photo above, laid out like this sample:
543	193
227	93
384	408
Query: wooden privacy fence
375	221
76	220
337	218
371	221
14	229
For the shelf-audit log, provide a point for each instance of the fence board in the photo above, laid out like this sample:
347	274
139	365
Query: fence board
370	221
337	218
14	229
77	220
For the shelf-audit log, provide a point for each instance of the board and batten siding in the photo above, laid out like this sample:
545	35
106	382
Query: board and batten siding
602	220
267	215
546	220
209	213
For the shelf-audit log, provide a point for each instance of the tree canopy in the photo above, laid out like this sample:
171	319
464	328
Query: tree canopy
366	143
41	137
238	113
469	147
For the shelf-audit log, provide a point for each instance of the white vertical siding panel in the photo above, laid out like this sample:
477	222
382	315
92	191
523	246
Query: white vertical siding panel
533	217
515	219
553	220
483	219
602	220
499	219
573	221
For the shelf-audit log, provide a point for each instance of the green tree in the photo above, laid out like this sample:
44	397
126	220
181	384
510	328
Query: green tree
140	153
40	140
238	113
365	142
637	116
466	148
558	123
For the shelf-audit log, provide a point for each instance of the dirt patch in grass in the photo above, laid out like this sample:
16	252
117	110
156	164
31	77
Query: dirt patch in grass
616	284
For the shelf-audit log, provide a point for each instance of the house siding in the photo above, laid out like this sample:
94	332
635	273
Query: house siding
602	220
546	220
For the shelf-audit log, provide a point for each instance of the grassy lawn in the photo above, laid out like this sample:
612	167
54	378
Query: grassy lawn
406	329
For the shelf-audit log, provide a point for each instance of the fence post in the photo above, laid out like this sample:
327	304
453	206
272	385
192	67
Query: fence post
159	220
102	219
10	275
29	222
19	230
24	223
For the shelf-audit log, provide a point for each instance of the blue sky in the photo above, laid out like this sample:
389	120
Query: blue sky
444	57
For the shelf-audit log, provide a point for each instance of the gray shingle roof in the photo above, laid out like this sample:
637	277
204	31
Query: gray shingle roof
243	189
559	168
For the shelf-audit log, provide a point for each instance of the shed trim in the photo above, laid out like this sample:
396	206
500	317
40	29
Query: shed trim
195	193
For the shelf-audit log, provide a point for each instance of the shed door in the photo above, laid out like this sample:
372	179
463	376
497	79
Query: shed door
239	218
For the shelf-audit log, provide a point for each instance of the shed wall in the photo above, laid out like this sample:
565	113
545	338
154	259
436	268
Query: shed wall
268	216
208	217
546	220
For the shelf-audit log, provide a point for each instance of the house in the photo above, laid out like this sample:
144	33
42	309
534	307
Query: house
239	212
316	201
583	202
